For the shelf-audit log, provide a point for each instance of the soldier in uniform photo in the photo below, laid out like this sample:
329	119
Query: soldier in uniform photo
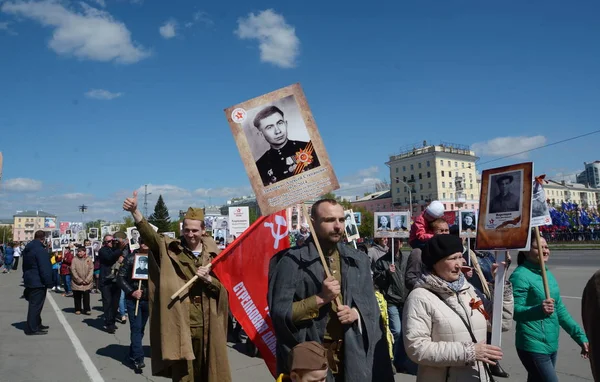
281	161
142	266
505	201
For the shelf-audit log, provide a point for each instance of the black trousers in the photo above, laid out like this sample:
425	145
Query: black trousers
78	295
111	293
36	298
16	262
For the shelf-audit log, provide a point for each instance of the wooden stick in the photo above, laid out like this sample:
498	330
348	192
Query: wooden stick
186	285
137	303
542	264
337	301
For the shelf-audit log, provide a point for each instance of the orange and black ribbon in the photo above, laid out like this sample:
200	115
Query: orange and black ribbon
478	305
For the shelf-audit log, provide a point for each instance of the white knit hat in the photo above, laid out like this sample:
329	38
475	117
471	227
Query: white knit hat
435	209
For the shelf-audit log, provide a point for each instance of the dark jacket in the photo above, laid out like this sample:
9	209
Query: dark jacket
485	260
126	283
391	284
108	257
590	311
37	270
414	269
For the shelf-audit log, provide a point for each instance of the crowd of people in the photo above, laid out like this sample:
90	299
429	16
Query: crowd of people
361	315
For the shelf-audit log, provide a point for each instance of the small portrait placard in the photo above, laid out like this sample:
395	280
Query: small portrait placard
467	223
392	224
133	235
140	267
350	225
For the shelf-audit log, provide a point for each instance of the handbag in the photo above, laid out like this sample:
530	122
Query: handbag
486	367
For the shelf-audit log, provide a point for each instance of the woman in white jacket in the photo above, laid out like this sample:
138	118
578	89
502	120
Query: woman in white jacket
445	322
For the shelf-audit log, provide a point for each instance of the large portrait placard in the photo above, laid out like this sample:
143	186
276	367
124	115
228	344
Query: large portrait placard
392	224
281	148
505	208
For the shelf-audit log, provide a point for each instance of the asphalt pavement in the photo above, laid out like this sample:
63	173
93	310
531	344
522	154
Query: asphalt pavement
77	349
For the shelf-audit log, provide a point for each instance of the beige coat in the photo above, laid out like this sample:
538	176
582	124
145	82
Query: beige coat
82	273
436	338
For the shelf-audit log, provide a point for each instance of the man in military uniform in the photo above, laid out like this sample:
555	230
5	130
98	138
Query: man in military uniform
188	336
285	158
505	201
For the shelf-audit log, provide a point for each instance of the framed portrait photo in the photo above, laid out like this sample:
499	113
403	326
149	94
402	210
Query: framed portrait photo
281	148
140	267
540	213
505	208
392	224
56	245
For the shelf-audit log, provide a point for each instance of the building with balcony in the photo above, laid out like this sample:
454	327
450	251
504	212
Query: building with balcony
591	174
444	172
580	194
25	223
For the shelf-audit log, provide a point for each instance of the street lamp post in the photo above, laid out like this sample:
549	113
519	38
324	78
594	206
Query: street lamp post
409	196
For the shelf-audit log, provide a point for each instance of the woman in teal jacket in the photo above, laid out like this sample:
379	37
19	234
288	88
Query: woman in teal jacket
539	319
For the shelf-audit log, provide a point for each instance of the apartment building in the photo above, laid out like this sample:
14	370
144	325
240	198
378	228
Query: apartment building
25	223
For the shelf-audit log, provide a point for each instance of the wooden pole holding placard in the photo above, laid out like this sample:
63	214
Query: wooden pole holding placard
541	261
393	253
337	301
137	302
469	250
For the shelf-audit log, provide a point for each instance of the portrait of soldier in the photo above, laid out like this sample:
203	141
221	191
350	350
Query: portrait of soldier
505	200
142	266
383	223
285	157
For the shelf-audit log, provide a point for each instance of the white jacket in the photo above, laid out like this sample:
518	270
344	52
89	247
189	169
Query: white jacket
436	338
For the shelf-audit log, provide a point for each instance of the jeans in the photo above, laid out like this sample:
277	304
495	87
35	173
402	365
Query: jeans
122	309
55	278
540	367
137	324
401	360
36	298
66	283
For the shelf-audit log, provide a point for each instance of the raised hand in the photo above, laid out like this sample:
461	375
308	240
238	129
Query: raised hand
131	204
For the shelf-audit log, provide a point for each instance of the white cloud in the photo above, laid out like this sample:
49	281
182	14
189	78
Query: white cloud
22	185
503	146
102	94
101	3
90	34
278	42
168	29
223	192
360	182
202	17
166	190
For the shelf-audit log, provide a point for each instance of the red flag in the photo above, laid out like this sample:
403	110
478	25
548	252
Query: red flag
243	268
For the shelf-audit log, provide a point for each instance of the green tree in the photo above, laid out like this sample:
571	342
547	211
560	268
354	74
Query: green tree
174	227
6	234
160	217
329	195
127	222
366	225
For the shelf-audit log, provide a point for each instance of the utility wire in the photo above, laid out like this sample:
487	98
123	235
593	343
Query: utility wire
540	147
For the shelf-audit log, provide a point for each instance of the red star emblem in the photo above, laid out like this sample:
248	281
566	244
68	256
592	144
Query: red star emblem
304	157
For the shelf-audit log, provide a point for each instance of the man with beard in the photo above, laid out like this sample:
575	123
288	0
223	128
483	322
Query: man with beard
301	303
188	336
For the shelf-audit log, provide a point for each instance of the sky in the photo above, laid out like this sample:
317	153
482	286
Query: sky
101	97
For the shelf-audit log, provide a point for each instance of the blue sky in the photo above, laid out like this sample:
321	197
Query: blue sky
100	97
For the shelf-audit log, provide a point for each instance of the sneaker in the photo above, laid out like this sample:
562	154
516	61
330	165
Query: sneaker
78	312
53	289
70	294
124	319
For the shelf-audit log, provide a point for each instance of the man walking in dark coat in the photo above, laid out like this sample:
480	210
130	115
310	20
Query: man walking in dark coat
37	277
301	303
108	255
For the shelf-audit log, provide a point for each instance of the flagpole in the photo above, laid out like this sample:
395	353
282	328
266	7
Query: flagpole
337	300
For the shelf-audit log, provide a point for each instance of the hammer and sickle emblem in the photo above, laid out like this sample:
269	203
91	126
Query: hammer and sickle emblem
277	234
